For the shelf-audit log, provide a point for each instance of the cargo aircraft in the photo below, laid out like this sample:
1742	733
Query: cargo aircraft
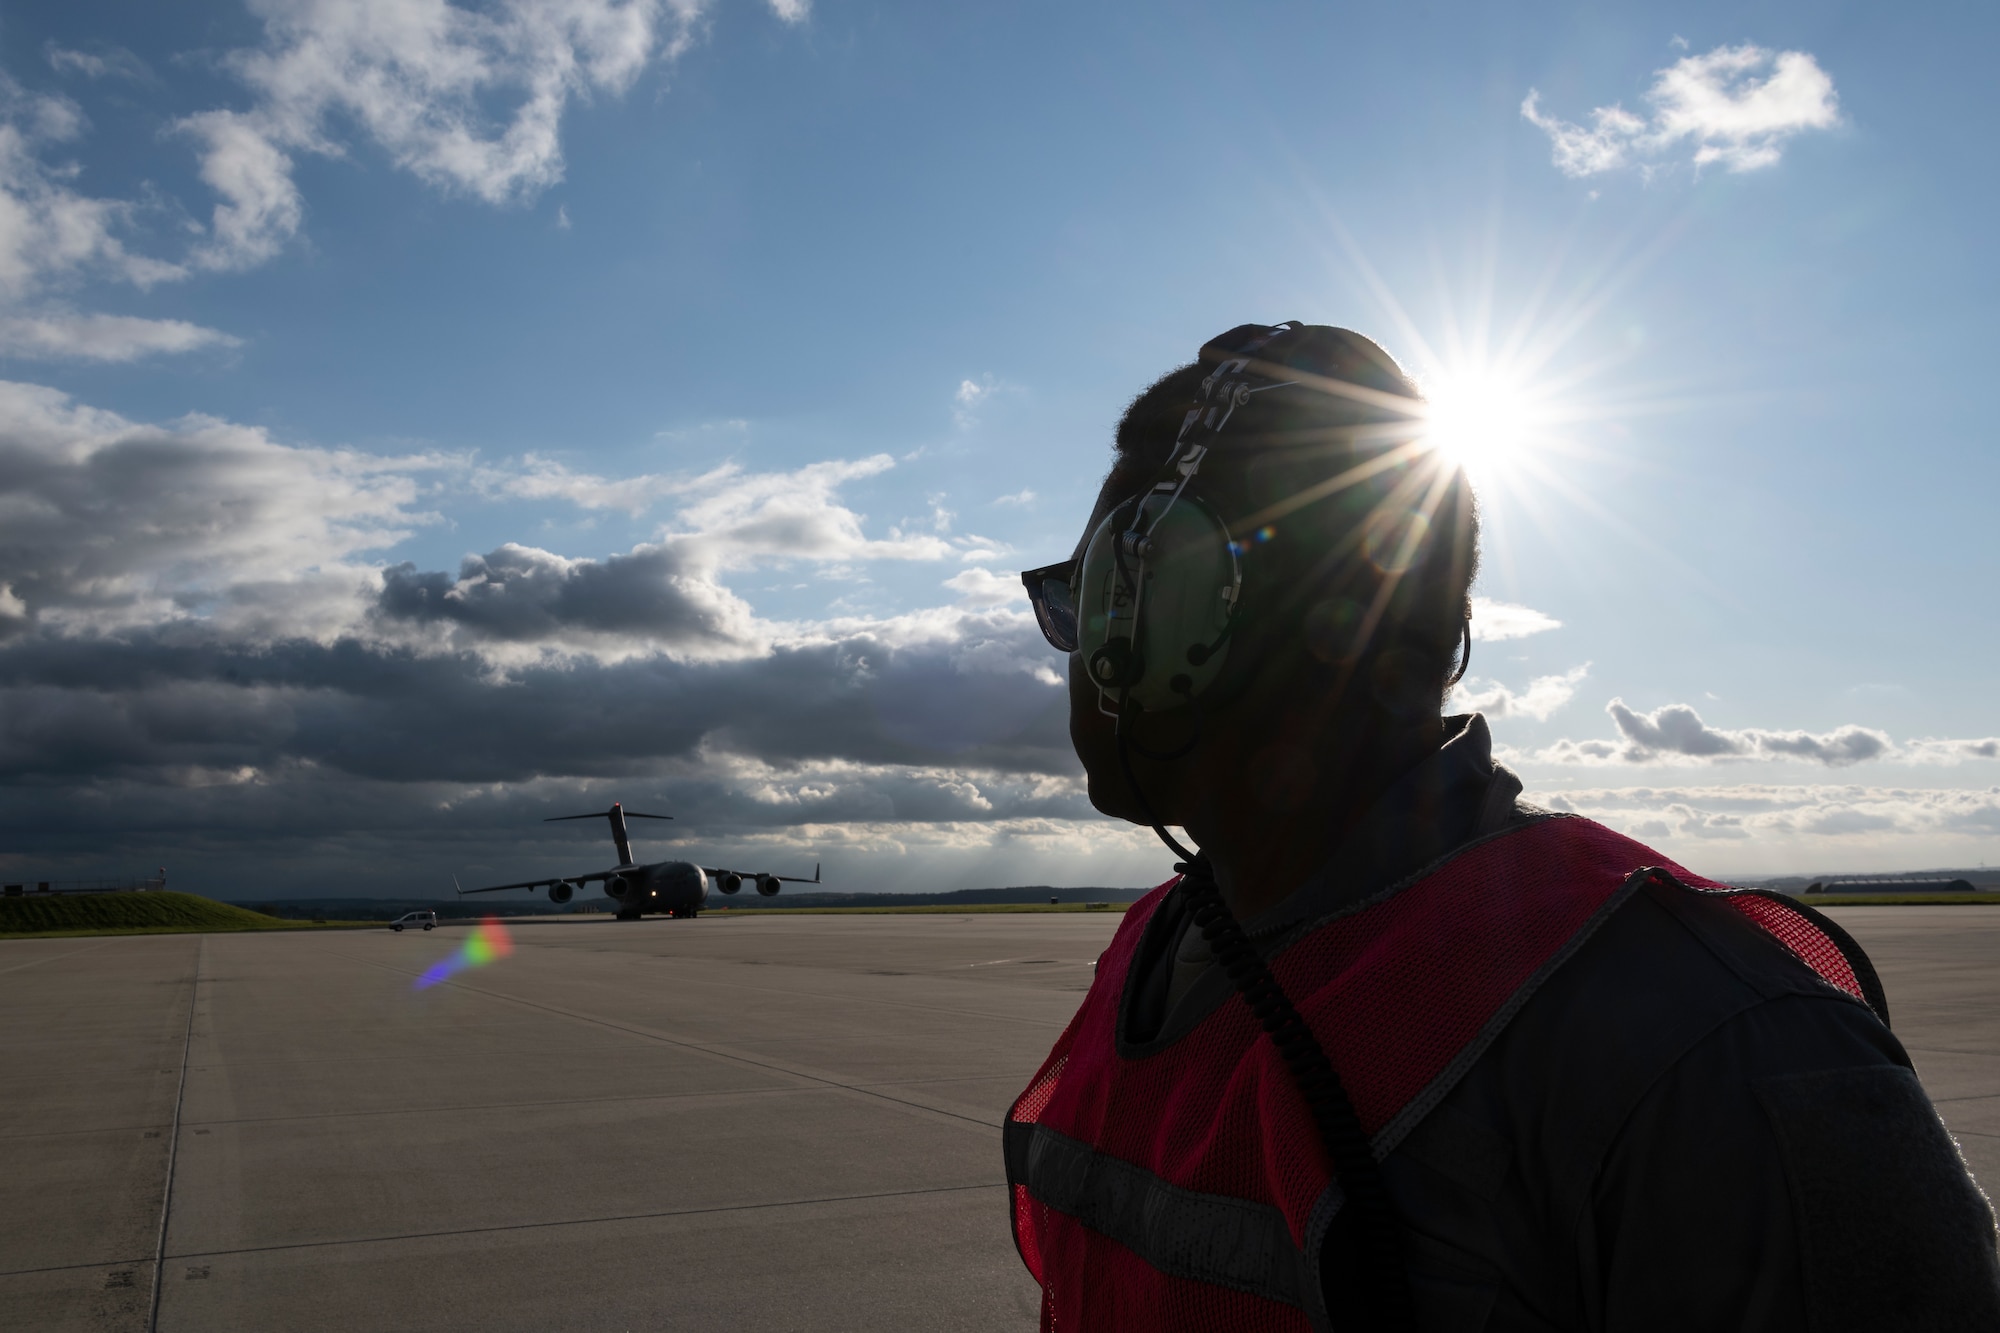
678	888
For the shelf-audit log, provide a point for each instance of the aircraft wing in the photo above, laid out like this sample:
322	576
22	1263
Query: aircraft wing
595	877
716	872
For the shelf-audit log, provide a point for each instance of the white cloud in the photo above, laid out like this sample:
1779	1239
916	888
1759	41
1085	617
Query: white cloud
50	230
983	588
973	548
1020	497
1543	697
1585	152
1735	106
749	518
792	11
1948	752
537	477
113	62
465	99
1494	621
1787	814
741	518
260	207
1676	734
1719	103
970	397
52	334
53	234
114	523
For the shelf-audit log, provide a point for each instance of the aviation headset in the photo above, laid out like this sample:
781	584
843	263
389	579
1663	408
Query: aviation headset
1159	591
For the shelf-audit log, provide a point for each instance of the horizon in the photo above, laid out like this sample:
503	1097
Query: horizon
409	435
748	897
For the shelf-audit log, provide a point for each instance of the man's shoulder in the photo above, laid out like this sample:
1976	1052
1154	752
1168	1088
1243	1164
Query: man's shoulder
1664	969
1662	974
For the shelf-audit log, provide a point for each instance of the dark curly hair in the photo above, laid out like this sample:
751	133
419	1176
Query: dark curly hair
1357	539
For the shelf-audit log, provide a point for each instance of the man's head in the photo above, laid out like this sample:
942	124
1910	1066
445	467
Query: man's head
1356	543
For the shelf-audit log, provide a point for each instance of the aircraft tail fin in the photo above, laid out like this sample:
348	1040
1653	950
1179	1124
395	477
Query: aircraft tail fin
617	814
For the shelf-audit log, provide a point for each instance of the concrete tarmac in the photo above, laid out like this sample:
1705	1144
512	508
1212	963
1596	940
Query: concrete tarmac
764	1121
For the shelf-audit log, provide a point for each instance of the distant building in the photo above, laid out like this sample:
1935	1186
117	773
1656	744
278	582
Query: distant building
157	884
1897	885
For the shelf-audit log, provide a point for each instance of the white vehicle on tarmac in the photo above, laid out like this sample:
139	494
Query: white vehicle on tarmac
424	919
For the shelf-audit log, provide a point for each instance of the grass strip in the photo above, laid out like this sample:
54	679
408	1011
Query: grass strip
168	913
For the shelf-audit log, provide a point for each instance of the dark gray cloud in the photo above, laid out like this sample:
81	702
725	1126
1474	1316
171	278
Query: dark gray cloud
1674	729
518	594
355	766
136	702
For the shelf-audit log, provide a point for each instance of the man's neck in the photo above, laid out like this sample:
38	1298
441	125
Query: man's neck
1268	822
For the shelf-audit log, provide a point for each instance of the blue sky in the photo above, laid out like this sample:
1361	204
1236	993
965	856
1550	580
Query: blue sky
424	416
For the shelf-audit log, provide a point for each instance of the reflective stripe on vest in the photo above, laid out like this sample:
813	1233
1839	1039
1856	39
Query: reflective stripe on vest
1187	1189
1182	1233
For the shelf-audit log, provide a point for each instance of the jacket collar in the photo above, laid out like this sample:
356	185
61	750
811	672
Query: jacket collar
1459	793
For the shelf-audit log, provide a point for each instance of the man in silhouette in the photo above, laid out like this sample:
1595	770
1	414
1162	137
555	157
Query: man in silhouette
1398	1049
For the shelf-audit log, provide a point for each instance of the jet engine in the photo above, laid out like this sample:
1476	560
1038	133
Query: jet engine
729	883
768	885
561	891
615	886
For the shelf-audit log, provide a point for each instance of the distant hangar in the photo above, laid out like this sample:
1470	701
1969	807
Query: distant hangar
1896	885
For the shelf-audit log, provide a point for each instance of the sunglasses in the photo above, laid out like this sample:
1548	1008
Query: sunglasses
1053	594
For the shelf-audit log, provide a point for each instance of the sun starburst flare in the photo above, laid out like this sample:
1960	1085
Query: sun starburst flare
1481	420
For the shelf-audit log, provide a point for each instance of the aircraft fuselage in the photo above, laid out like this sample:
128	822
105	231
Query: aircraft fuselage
678	888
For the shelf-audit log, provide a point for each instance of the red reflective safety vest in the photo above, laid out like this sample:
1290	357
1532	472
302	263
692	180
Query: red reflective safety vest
1187	1190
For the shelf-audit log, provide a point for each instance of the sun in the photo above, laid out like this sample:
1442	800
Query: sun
1481	419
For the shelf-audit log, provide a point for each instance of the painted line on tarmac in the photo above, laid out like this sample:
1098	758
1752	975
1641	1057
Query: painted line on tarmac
722	1053
591	1221
79	1133
718	1095
71	1268
174	1139
53	958
455	1108
948	974
943	974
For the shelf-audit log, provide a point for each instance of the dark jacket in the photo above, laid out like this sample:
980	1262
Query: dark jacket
1683	1129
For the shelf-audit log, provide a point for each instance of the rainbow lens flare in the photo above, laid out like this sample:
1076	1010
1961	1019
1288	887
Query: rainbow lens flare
489	942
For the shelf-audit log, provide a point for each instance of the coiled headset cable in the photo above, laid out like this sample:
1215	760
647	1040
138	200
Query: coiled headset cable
1383	1281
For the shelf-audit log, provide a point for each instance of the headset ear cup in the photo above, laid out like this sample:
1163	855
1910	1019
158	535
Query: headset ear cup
1152	617
1117	665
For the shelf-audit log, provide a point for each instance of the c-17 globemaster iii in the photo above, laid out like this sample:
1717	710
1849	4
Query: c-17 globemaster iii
678	888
